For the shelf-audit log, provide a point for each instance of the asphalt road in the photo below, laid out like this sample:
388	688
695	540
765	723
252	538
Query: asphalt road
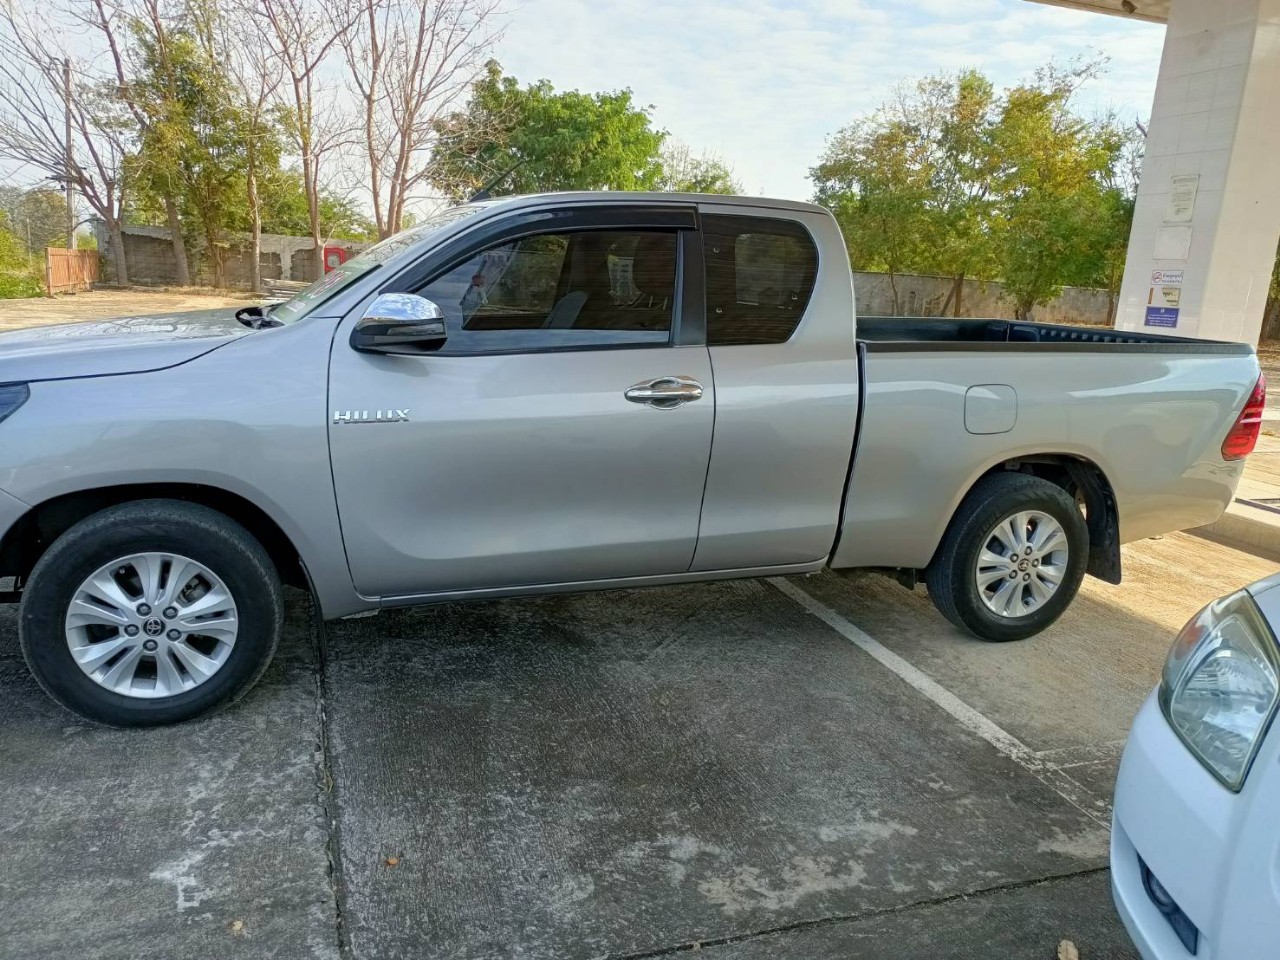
811	768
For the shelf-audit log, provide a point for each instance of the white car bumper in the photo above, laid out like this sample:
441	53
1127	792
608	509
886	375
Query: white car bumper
1217	853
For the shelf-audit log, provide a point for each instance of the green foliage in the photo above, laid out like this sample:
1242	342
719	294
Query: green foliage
1053	187
871	179
953	179
36	217
193	141
546	140
911	184
19	272
284	210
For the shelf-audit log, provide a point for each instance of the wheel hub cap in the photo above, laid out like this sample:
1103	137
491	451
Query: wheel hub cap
1021	563
118	642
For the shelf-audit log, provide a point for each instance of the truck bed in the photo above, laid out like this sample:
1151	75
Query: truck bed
886	334
945	401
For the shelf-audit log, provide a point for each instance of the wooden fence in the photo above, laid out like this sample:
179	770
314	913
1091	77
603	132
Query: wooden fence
66	270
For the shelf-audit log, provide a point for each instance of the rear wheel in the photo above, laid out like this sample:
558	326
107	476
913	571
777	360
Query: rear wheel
151	612
1012	560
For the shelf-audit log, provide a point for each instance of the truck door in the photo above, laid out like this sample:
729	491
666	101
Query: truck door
780	322
560	434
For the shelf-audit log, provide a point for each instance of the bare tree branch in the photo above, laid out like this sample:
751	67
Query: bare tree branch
32	113
411	61
302	34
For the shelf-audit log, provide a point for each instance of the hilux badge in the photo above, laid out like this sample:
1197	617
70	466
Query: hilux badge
363	416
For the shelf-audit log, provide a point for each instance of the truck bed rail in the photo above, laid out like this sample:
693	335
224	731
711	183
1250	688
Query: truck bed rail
897	334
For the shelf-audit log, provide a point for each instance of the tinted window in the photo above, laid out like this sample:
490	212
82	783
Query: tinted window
552	291
347	273
760	276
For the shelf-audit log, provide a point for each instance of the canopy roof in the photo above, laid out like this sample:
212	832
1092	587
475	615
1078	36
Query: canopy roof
1156	11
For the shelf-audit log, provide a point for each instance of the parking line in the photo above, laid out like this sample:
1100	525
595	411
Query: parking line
977	723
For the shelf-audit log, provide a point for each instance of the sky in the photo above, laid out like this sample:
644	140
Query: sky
763	83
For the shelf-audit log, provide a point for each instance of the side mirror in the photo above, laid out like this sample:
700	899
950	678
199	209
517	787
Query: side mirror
399	323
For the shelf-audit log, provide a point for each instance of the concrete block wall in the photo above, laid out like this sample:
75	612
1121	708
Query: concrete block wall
924	296
149	256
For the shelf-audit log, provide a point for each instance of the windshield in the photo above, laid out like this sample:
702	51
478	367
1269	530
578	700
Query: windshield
344	274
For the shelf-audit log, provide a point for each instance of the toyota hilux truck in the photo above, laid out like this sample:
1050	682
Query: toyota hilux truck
571	392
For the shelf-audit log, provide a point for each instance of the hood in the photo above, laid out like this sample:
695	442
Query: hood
98	348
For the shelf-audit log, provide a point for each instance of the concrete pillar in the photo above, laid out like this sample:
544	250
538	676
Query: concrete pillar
1208	214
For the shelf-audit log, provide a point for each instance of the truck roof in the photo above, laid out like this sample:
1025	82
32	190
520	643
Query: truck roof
626	196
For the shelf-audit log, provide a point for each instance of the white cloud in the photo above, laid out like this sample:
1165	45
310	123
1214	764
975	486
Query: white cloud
764	82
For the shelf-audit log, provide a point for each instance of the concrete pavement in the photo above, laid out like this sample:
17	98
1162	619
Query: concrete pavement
205	840
613	775
1252	521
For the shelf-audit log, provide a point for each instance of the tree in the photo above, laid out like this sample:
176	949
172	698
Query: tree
193	146
954	116
37	217
116	24
34	103
285	210
682	172
302	34
1052	185
18	274
1116	224
255	80
948	177
411	61
912	182
535	139
872	179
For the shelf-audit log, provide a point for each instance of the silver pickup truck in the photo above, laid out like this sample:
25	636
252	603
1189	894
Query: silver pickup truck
573	392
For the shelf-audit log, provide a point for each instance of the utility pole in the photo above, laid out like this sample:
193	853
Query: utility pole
66	103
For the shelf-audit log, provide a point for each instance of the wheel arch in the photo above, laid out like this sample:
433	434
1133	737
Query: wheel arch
31	535
1083	479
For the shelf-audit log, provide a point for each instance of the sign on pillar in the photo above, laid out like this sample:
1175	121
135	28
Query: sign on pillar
1207	214
1164	300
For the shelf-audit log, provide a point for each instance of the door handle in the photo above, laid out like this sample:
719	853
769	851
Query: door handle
664	392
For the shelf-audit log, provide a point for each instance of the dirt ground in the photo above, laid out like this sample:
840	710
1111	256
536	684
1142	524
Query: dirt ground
100	304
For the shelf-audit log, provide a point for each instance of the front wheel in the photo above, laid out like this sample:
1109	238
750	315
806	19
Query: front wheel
1012	560
151	612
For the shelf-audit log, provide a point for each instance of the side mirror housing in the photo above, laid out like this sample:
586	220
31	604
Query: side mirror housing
399	323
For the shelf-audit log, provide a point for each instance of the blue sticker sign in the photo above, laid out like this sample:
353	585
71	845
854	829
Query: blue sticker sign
1162	317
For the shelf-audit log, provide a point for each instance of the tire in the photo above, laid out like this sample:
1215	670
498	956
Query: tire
231	607
957	585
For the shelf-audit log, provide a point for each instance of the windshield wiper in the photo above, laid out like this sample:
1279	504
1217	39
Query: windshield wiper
256	318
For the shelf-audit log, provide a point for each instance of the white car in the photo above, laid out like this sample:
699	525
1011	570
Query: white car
1195	843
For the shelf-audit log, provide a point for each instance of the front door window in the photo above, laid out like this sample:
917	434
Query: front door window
579	290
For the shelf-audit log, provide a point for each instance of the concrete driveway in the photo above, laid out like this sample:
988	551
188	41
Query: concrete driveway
811	768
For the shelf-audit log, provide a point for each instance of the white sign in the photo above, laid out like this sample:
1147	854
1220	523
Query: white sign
1172	243
1182	198
1166	278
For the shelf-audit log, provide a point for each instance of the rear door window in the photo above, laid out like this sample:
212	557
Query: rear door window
760	277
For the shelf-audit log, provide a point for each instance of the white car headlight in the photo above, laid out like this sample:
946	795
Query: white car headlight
1221	685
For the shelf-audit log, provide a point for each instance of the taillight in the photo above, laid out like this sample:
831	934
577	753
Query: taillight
1244	434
